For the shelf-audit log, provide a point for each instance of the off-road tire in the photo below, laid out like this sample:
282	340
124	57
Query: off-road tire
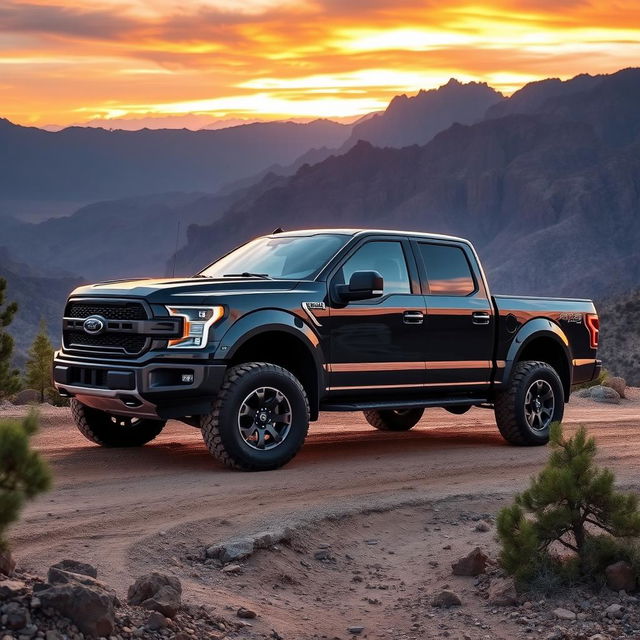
393	419
113	431
510	403
220	429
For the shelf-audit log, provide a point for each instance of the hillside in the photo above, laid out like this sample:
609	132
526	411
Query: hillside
529	189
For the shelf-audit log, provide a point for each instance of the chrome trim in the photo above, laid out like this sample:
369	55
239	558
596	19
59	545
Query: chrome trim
305	306
415	386
350	367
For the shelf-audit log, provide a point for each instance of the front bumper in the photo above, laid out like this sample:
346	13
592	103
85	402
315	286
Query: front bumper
159	390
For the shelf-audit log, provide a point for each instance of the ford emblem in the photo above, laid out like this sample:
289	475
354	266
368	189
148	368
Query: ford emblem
94	325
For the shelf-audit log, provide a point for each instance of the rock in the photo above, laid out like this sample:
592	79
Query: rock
232	551
322	554
472	564
27	396
502	592
607	395
157	621
621	577
446	599
7	563
157	592
614	611
355	630
617	384
16	616
483	526
11	589
90	608
232	568
246	614
74	566
584	393
266	539
564	614
53	635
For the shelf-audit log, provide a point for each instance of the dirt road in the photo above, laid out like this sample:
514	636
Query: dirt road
127	511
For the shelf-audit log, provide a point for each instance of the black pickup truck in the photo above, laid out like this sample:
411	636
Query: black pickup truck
252	348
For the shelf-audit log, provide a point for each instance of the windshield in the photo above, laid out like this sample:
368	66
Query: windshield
286	257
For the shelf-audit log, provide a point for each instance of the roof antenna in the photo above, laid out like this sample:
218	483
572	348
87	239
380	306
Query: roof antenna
278	230
175	253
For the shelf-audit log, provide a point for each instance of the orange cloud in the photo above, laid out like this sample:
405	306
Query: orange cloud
64	61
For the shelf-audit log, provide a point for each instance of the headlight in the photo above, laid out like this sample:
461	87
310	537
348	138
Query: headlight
195	330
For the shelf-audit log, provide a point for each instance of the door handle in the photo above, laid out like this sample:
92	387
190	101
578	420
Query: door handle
481	317
412	317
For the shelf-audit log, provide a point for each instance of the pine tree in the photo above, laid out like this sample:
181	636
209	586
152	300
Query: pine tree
9	377
571	503
38	367
23	473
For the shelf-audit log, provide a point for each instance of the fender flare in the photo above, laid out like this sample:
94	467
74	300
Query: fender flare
268	320
532	330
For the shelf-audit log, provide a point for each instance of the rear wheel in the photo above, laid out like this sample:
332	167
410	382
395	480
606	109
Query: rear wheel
110	430
393	419
260	418
531	403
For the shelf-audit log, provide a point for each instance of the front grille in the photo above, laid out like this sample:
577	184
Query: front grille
120	340
125	311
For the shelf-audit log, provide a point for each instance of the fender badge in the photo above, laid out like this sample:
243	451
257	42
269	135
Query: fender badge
310	306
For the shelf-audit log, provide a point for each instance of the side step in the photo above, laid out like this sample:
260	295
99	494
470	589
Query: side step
402	404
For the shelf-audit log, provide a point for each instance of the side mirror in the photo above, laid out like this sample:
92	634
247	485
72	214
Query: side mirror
363	285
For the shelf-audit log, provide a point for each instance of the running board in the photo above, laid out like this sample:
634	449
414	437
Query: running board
401	404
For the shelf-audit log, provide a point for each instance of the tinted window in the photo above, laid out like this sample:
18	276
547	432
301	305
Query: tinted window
387	258
448	270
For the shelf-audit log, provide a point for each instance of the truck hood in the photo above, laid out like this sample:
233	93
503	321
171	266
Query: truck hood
167	290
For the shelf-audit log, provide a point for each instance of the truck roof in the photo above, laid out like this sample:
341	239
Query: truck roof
362	231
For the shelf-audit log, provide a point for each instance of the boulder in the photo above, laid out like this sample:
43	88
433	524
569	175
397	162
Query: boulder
157	592
74	566
16	616
7	563
11	588
90	608
472	564
617	384
502	592
232	551
621	577
27	396
600	393
157	621
564	614
446	599
614	611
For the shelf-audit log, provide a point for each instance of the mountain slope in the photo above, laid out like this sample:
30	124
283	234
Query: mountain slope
532	190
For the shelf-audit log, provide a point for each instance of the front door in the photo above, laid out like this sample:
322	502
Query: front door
376	345
459	326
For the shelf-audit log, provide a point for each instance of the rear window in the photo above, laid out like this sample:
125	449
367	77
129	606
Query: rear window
448	270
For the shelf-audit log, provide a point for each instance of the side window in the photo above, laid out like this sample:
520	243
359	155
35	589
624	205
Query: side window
385	257
448	270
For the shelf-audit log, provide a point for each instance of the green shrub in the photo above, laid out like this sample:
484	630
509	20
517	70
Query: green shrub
571	506
23	473
603	375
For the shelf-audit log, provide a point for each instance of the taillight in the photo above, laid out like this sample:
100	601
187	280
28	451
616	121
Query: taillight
593	324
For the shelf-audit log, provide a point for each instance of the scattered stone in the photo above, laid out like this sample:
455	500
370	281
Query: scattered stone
614	611
502	592
267	539
322	554
15	616
157	592
483	526
621	577
604	394
472	564
157	621
232	568
232	551
74	566
246	614
446	599
618	384
564	614
11	589
355	630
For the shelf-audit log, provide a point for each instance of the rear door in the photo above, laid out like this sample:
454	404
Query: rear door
376	345
459	327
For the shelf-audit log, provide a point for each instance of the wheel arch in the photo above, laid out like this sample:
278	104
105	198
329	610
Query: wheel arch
542	340
282	339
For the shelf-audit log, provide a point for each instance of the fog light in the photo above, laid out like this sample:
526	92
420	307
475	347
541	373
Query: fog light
187	378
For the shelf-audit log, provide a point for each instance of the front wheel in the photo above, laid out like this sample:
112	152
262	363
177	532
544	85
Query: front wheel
533	400
393	419
259	420
109	430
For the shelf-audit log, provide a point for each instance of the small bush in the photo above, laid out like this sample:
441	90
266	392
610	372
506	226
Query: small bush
570	522
23	473
604	374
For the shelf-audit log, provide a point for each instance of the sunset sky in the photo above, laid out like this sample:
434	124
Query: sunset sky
70	61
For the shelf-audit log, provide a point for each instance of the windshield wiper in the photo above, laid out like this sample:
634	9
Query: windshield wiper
247	274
